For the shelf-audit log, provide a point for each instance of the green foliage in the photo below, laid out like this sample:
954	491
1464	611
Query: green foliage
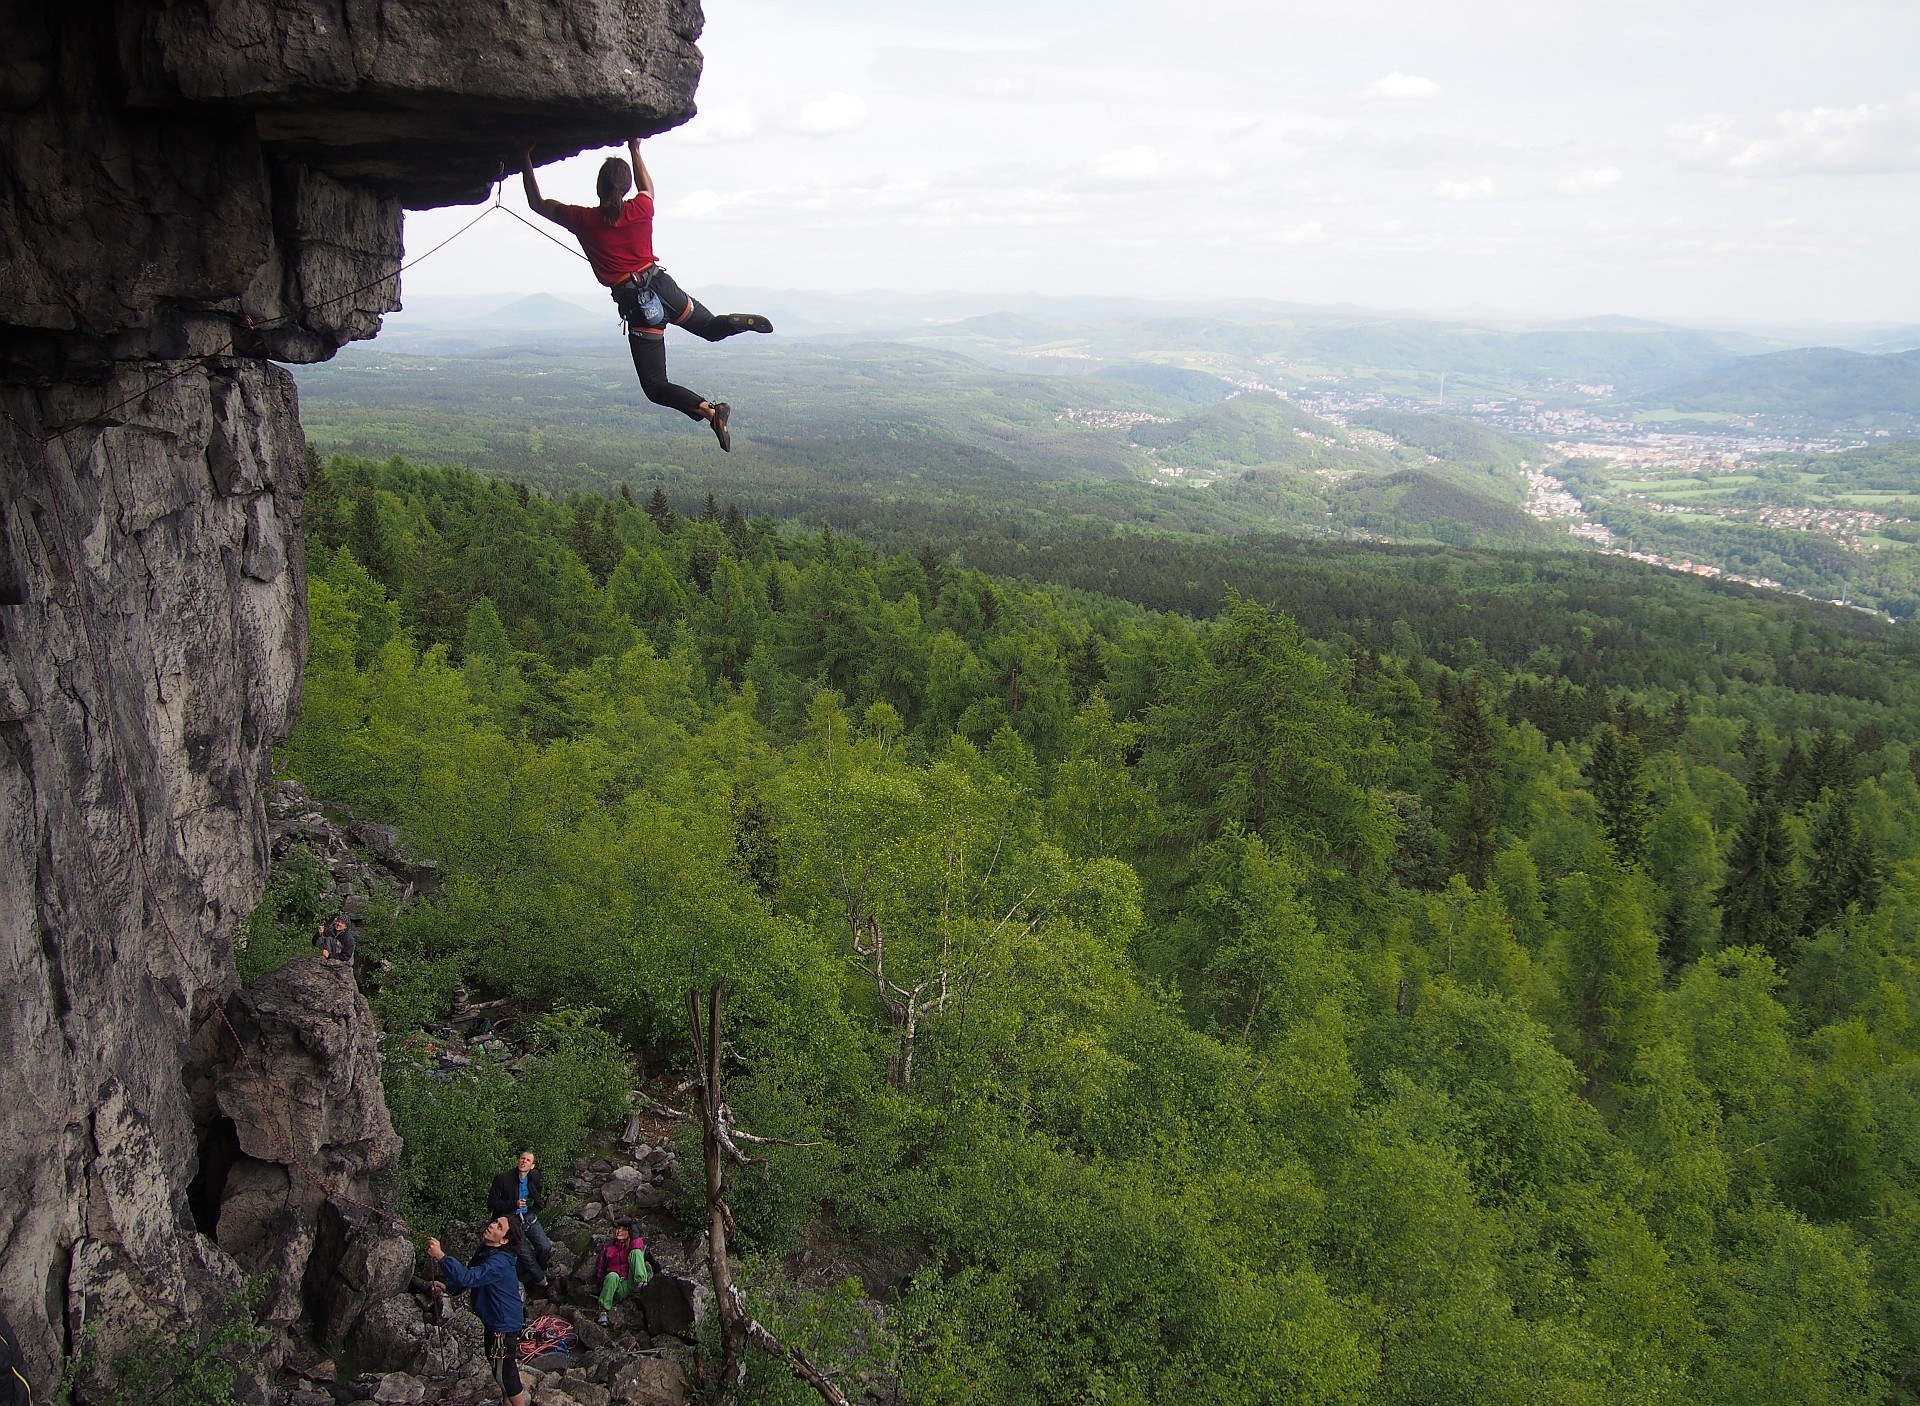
1197	1009
461	1126
157	1366
282	926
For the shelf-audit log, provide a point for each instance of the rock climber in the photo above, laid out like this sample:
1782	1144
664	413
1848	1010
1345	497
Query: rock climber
617	236
519	1195
621	1267
496	1298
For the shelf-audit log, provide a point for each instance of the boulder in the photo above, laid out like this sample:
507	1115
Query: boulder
399	1389
587	1393
650	1381
390	1334
668	1302
304	1088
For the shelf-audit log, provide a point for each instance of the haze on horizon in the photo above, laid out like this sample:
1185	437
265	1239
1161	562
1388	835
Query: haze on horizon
1708	160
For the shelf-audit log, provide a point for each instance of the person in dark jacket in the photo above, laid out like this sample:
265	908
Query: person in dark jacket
496	1298
335	939
519	1194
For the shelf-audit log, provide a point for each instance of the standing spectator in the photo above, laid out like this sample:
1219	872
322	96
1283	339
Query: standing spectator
519	1194
496	1298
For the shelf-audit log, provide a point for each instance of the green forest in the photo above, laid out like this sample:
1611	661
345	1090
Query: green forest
1319	975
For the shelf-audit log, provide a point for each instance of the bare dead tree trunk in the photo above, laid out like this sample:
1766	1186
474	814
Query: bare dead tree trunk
905	1005
719	1147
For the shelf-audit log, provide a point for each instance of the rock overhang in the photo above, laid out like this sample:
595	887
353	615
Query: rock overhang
418	99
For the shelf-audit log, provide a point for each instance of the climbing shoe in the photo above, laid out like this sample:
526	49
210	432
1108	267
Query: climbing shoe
749	322
721	410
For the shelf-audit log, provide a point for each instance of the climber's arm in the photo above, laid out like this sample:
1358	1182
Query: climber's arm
642	178
531	184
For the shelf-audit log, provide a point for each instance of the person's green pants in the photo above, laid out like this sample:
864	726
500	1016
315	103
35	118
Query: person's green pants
617	1286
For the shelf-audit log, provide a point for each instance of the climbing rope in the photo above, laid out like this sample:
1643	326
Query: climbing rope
267	326
128	809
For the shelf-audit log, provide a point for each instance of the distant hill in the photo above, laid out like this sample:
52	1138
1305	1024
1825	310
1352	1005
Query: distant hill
1405	354
544	312
1177	382
1247	431
1414	504
1457	441
1812	384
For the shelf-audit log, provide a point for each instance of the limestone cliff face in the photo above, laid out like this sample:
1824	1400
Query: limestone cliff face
188	190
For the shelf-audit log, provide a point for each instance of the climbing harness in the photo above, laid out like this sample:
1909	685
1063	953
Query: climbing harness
642	313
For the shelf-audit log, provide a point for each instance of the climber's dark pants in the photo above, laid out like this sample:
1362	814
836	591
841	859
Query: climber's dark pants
649	345
503	1359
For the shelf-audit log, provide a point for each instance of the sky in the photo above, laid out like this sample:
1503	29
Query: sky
1685	160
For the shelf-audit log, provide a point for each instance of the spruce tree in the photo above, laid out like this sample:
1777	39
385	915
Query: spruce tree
1613	772
661	511
1679	716
486	636
1793	782
1759	899
1844	868
1829	763
367	538
1468	760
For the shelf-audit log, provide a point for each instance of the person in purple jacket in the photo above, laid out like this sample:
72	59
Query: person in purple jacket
496	1298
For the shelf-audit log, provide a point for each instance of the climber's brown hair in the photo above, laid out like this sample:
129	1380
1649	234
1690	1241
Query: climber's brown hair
615	180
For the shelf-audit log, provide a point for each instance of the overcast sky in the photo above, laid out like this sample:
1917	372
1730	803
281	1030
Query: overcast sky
1706	159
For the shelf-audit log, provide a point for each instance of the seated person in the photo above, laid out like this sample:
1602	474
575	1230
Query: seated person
336	939
621	1267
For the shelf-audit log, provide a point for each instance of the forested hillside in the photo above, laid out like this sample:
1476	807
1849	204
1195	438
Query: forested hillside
1501	985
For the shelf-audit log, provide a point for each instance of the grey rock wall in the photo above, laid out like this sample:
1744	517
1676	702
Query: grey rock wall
188	189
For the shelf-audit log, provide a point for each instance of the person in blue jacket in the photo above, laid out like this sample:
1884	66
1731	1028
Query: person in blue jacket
496	1298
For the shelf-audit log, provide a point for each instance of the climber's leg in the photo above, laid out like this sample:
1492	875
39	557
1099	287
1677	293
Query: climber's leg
690	313
649	350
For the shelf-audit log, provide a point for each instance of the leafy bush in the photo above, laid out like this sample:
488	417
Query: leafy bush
158	1368
281	927
463	1126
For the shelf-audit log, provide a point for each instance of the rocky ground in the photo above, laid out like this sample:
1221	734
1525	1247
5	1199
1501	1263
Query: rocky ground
365	859
643	1357
399	1341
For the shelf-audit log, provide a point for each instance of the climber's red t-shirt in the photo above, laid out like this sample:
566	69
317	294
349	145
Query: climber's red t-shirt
615	250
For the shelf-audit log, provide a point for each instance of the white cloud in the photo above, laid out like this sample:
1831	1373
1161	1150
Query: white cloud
1134	165
1866	139
831	116
1481	189
717	125
1401	87
699	204
1591	181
